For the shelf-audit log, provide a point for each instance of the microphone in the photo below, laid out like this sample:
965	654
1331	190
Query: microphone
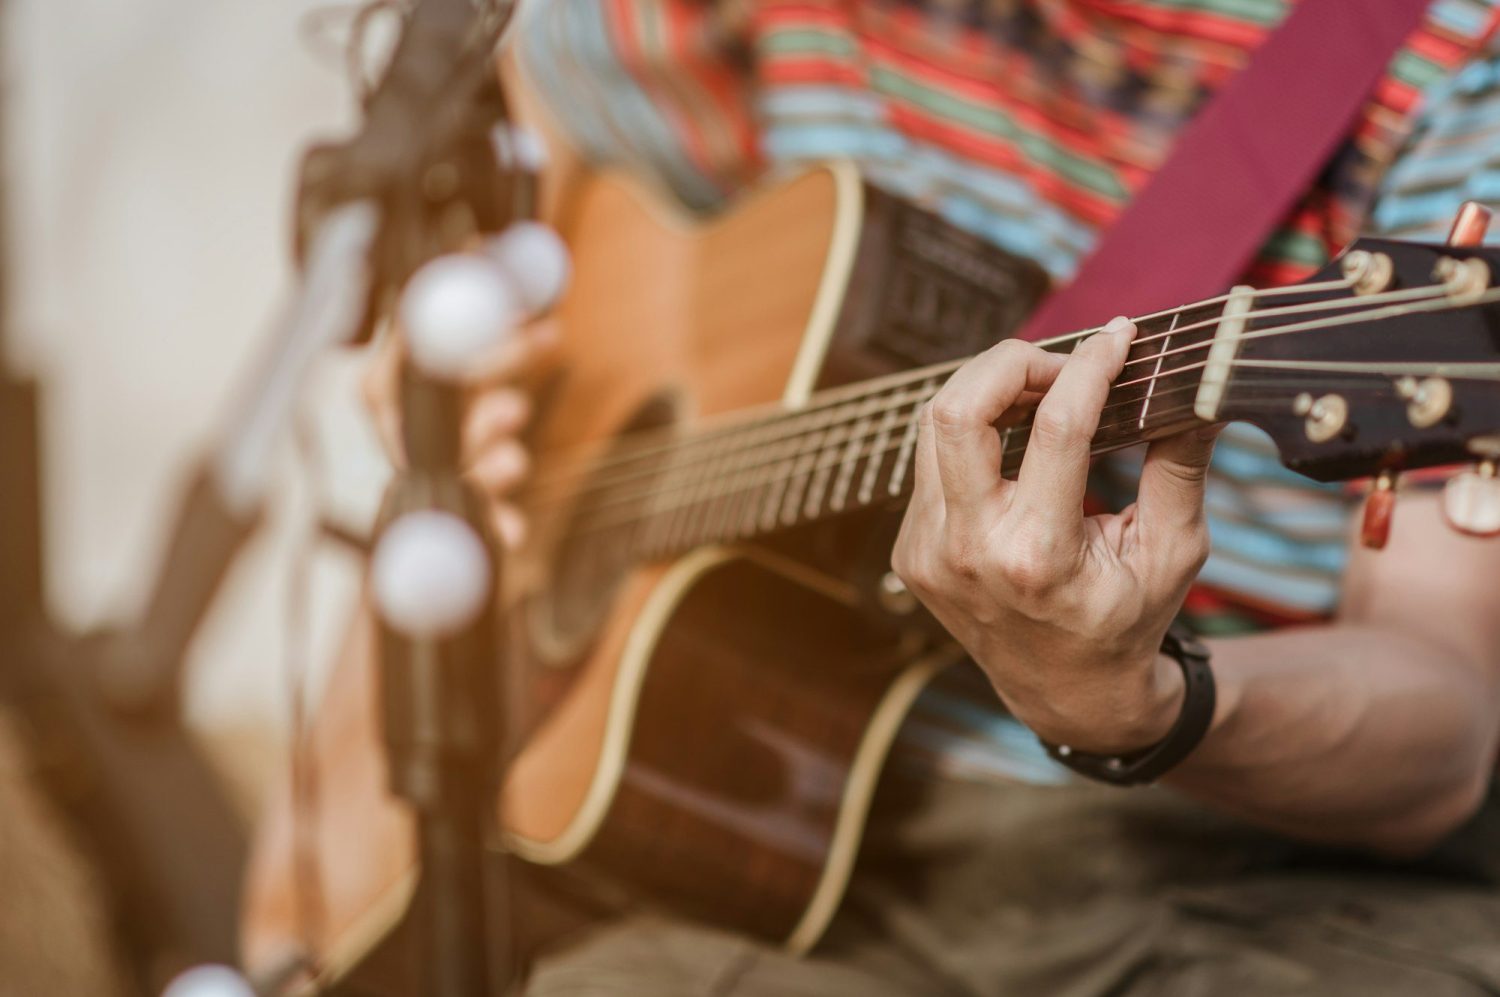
208	980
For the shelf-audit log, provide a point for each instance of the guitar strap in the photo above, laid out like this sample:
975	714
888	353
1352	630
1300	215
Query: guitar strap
1239	166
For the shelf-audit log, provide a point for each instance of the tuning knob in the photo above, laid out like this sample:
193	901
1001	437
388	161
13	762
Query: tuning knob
1470	225
1380	506
1471	501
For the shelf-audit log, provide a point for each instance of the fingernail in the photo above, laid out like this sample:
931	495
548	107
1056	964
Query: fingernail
1120	324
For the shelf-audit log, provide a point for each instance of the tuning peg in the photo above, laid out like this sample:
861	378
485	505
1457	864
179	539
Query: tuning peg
1470	225
1471	501
1380	505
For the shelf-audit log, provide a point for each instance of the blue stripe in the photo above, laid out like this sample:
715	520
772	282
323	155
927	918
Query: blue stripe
984	738
1279	588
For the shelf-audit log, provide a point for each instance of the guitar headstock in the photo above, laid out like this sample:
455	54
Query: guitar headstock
1403	375
1386	360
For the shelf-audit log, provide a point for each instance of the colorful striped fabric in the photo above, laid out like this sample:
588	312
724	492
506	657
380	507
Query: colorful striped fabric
1031	122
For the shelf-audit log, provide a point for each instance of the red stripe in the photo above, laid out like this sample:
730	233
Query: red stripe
796	70
716	79
1207	600
1240	34
985	149
633	57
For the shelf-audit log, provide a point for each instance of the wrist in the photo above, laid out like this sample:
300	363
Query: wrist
1195	717
1129	717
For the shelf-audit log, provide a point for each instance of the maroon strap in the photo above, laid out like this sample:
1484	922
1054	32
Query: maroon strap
1239	167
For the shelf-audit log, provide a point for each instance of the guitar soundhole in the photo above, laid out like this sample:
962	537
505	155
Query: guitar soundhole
597	548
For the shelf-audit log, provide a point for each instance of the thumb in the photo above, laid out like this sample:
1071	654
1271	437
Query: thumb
1173	480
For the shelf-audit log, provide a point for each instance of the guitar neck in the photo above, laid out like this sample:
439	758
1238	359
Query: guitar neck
853	447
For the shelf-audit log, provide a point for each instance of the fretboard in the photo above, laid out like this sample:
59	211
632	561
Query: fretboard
854	447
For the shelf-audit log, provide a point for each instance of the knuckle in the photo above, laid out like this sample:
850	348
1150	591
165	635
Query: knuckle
925	416
915	571
901	557
1013	349
908	563
1029	565
1187	474
1098	344
1198	548
948	410
1184	554
1056	428
960	558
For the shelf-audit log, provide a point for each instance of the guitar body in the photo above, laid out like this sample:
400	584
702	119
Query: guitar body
715	745
705	733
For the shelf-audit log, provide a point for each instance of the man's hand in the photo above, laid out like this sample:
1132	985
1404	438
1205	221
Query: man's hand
1064	612
494	458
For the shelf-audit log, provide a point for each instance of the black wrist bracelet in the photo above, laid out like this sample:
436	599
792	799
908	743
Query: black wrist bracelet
1150	764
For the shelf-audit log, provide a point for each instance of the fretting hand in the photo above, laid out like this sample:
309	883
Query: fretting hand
1064	612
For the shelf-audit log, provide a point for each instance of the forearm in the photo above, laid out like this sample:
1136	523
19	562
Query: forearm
1347	733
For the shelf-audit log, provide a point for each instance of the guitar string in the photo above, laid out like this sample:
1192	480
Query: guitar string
1374	381
829	398
1009	448
805	422
696	498
779	519
801	421
831	444
1373	371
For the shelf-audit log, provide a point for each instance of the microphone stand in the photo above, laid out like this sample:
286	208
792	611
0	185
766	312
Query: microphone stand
440	697
437	154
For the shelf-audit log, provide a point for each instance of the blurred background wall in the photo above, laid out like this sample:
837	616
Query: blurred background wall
151	150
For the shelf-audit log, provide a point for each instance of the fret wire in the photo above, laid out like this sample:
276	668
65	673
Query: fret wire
800	473
733	516
818	490
847	465
701	497
1156	372
873	466
772	502
908	444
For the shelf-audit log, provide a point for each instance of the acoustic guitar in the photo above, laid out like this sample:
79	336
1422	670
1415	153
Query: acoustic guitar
712	661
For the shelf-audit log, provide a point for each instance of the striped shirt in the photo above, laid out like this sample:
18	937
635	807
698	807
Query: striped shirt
1031	123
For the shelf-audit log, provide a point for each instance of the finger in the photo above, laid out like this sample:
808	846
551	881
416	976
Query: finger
964	413
492	417
1055	470
1173	479
925	511
516	355
378	389
509	524
500	468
